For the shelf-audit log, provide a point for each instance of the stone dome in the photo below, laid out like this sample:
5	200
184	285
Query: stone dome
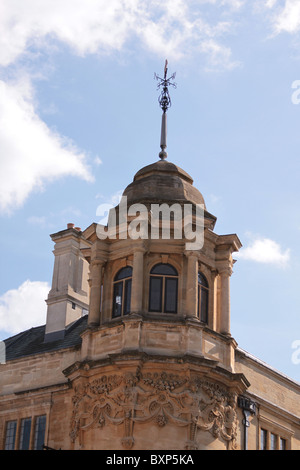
162	182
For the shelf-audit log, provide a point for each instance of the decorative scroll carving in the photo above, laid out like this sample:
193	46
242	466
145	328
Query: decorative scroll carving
158	397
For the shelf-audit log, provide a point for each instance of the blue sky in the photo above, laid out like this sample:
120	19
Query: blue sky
79	116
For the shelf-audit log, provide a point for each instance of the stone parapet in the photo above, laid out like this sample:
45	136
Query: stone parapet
160	336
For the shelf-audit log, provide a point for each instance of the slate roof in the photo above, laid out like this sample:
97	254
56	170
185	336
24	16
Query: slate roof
30	342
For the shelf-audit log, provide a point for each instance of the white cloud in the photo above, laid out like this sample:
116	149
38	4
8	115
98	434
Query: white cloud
24	307
234	4
288	19
84	26
218	55
284	15
270	3
97	161
31	153
172	28
267	251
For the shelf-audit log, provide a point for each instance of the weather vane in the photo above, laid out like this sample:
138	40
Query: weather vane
164	83
165	103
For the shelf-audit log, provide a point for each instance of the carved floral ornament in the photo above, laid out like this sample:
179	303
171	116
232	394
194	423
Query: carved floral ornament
158	397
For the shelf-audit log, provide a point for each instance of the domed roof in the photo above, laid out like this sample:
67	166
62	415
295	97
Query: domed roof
162	182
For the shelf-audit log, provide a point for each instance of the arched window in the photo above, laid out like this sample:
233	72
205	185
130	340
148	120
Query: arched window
122	292
202	298
163	289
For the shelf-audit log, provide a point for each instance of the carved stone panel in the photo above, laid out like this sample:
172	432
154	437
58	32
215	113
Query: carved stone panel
161	398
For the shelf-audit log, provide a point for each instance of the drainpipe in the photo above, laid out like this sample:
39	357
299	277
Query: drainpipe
249	409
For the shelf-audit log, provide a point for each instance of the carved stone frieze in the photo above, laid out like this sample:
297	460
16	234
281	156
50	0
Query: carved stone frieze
162	398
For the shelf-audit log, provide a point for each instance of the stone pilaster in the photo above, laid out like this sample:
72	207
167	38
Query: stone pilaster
95	292
192	284
225	300
137	281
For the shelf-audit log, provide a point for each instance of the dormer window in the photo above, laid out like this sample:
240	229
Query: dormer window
163	290
202	298
122	292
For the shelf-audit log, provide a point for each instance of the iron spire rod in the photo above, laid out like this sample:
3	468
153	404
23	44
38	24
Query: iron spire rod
165	103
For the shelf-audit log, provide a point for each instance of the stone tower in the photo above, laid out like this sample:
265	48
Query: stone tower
156	367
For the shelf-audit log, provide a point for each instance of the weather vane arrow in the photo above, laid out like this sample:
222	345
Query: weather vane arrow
165	103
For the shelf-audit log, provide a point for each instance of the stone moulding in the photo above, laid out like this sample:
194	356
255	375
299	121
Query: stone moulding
160	397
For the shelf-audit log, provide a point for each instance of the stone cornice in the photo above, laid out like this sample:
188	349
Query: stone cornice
206	367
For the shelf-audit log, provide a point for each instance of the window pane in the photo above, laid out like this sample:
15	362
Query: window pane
10	437
263	439
164	269
170	295
282	444
202	280
123	273
25	433
155	299
117	303
127	298
203	304
273	441
39	434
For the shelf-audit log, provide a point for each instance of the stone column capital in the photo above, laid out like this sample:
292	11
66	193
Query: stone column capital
225	271
97	261
96	269
191	253
139	249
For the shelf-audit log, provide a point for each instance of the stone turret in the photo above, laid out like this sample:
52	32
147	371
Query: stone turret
68	298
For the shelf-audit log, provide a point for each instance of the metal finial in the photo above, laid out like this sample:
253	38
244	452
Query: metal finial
165	103
163	84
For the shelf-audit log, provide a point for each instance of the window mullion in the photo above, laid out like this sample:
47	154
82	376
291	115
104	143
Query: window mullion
163	306
123	298
18	432
199	301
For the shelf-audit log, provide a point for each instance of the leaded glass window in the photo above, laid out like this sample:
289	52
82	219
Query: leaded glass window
202	298
25	434
122	292
163	291
39	432
10	435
